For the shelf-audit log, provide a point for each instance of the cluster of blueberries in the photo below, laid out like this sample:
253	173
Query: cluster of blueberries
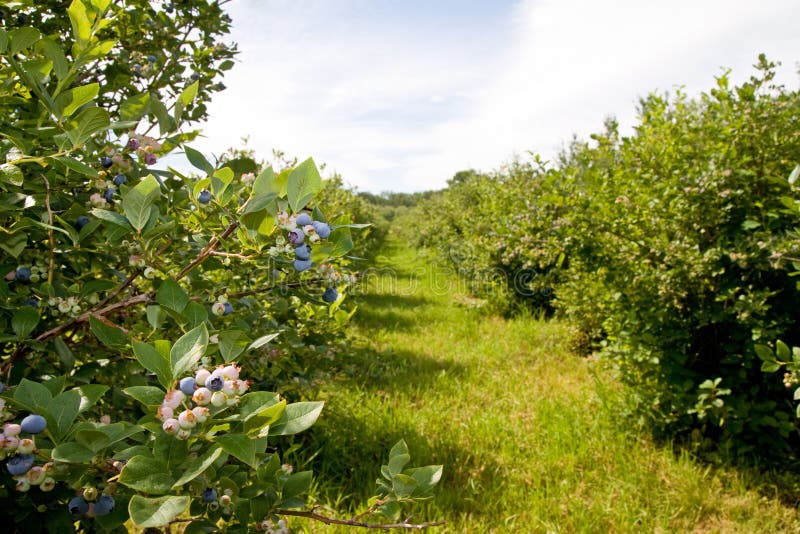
305	227
219	388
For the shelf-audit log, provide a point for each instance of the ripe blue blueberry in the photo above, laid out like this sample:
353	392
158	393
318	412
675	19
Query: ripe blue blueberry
33	424
108	194
303	252
120	179
215	383
195	76
23	275
228	308
296	236
22	19
2	387
187	385
81	221
32	302
104	505
204	197
209	495
151	58
106	162
303	219
330	295
78	506
323	230
19	464
302	265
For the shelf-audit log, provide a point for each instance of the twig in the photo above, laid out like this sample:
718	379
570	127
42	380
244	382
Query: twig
355	523
51	237
207	250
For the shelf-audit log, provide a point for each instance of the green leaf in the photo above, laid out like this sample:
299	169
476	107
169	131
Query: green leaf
24	321
256	401
134	107
148	475
403	485
794	175
77	166
240	447
188	350
81	26
166	123
770	367
265	183
111	216
171	295
257	424
198	160
296	485
73	453
110	336
427	477
11	174
765	353
198	466
304	183
93	440
62	411
68	102
147	512
263	340
154	361
297	417
22	38
220	181
52	51
137	201
232	343
266	201
147	395
184	99
783	351
89	122
32	395
90	394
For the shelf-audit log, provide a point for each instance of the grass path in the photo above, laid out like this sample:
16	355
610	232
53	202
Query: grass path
525	429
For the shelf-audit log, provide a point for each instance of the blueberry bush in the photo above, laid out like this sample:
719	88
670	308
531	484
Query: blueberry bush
142	310
670	250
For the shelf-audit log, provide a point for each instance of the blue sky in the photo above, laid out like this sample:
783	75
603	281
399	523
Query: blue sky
400	95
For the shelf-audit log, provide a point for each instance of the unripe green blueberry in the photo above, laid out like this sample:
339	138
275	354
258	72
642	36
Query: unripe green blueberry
90	493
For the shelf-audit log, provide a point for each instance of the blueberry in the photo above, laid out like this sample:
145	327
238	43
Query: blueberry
303	219
120	179
106	162
2	387
209	495
220	86
23	275
78	506
33	424
302	265
33	303
323	230
170	8
151	58
81	221
19	464
296	236
204	197
303	252
215	383
104	505
228	308
187	385
330	295
195	76
108	194
22	19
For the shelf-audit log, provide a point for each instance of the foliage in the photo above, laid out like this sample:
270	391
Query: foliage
127	285
669	249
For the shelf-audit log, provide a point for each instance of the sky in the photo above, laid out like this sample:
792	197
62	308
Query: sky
399	95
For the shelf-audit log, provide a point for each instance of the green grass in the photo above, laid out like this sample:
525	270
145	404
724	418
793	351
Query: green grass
526	430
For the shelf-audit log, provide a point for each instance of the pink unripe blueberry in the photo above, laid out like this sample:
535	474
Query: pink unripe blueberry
202	375
171	425
174	398
229	388
201	413
183	434
218	399
11	429
202	396
218	308
164	412
26	446
11	443
230	372
187	419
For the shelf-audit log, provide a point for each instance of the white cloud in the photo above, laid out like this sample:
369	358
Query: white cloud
403	108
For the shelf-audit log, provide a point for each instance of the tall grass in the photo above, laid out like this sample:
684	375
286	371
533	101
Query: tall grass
526	431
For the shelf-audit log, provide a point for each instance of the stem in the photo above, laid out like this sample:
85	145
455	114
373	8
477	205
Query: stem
51	237
207	250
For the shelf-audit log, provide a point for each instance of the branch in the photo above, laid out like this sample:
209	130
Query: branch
51	237
208	250
355	523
